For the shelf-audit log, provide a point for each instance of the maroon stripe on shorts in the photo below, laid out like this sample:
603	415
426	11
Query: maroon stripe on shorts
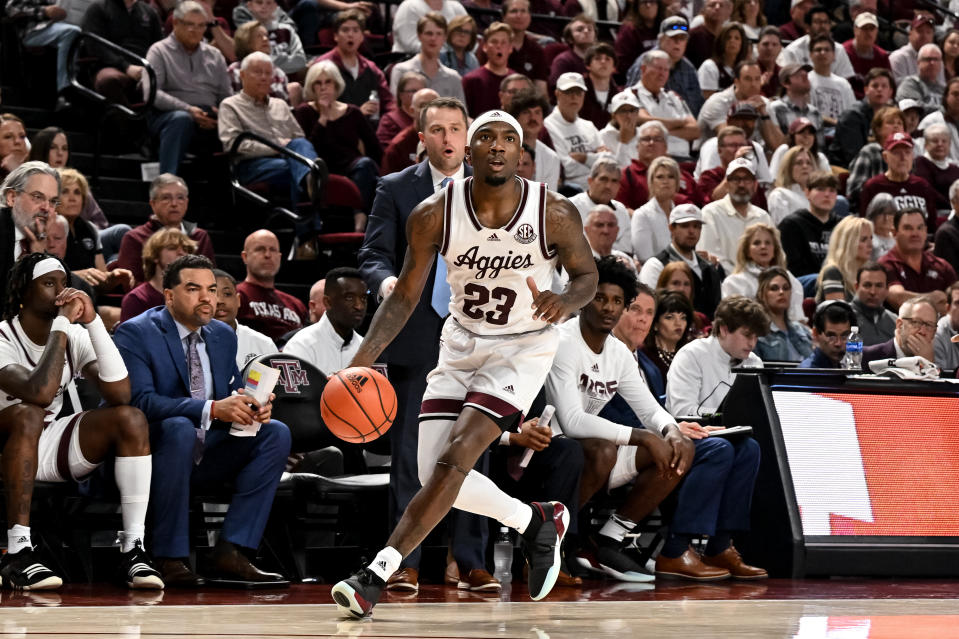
63	448
489	404
431	407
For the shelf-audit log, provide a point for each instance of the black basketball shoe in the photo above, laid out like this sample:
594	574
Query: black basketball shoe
23	571
541	545
137	571
357	595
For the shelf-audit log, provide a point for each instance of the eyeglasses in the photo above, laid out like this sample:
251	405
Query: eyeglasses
919	324
193	26
40	199
646	139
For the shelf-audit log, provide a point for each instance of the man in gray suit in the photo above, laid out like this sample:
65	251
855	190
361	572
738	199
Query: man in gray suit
415	350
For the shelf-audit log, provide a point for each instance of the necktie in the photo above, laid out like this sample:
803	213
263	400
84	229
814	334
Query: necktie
441	288
197	388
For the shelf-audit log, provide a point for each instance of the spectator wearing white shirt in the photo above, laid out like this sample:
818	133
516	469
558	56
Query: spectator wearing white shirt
601	229
330	343
250	344
621	133
529	107
650	223
904	60
797	52
663	105
744	116
725	220
830	93
790	192
431	35
407	16
603	183
575	139
759	248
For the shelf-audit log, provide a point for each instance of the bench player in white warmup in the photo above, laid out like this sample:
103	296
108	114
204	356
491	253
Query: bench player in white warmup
499	237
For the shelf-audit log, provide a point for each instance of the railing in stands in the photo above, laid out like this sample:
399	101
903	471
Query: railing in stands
139	109
318	175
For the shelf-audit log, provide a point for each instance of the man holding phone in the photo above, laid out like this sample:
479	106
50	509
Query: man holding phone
30	196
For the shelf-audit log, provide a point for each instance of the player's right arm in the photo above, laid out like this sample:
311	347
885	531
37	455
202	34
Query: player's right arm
424	231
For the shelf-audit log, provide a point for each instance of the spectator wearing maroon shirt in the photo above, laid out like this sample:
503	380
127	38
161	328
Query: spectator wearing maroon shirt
935	166
600	88
906	189
796	27
702	39
401	151
481	86
639	32
160	250
401	116
262	307
169	200
526	56
633	188
910	269
579	34
862	50
767	51
731	144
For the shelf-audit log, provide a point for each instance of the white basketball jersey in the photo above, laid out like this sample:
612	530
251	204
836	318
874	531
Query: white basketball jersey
487	267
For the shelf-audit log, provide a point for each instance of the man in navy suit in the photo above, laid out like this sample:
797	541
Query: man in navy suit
415	350
183	376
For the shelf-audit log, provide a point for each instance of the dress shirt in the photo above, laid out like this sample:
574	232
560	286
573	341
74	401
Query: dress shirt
320	345
184	332
722	228
700	376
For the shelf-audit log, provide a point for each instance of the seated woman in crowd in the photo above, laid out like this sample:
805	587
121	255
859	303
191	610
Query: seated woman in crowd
639	31
678	277
13	143
50	145
159	251
787	340
620	133
868	162
789	194
950	53
340	133
730	48
401	115
850	247
882	213
749	13
671	329
935	165
760	248
650	223
252	36
802	133
457	53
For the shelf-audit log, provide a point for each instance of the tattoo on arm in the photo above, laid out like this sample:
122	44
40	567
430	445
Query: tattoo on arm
564	229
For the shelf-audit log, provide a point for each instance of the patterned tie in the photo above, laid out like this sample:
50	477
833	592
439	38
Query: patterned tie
197	388
441	288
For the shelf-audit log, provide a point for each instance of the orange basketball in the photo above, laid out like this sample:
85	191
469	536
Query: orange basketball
358	405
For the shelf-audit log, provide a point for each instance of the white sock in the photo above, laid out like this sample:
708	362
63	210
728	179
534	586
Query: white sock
132	475
481	496
386	563
18	538
617	527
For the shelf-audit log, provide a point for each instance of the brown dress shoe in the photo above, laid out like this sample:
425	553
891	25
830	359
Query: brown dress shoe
176	574
406	580
688	566
479	580
228	564
566	580
730	560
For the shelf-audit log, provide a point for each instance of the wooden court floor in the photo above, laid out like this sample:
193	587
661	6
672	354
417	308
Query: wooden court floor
803	609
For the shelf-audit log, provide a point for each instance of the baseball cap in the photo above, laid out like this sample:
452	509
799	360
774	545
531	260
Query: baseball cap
621	99
795	3
740	163
685	213
570	80
897	139
920	20
801	123
908	103
674	26
790	70
833	286
742	109
866	18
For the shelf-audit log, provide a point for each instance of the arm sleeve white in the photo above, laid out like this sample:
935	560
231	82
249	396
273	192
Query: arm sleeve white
112	368
649	274
642	236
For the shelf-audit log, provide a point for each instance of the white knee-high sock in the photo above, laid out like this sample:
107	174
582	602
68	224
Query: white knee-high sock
480	496
133	479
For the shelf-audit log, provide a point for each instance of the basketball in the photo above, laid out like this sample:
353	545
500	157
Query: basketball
358	405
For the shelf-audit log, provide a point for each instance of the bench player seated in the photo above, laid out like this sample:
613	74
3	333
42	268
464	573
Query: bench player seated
49	335
591	360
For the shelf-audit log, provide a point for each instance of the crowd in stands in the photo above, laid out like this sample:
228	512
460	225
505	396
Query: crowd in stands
755	180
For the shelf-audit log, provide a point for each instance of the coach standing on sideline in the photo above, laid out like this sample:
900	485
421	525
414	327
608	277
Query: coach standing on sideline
415	350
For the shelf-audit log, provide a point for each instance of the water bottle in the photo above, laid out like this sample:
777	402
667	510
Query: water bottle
853	357
503	556
375	97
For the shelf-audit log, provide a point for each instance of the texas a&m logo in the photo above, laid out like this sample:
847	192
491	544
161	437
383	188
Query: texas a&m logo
291	375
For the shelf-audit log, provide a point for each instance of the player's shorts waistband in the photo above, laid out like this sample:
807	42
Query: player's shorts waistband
548	327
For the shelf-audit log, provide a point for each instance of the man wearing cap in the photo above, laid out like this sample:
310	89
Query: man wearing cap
702	39
797	25
805	233
620	135
797	52
600	88
948	114
659	103
528	106
795	103
603	183
730	143
685	229
726	219
575	139
926	86
863	52
904	61
744	116
830	92
906	189
747	87
683	79
911	269
856	122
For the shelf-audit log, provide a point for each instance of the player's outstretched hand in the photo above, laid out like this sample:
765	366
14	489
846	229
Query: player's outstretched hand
547	305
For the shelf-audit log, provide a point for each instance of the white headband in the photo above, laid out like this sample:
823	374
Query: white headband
47	265
494	116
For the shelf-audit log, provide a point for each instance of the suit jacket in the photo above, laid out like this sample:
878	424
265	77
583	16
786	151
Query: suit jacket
886	350
382	255
159	380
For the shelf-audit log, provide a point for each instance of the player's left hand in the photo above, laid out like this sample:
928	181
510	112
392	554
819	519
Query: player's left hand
547	305
683	451
88	312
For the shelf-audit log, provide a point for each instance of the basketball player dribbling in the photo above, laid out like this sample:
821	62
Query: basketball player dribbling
500	237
